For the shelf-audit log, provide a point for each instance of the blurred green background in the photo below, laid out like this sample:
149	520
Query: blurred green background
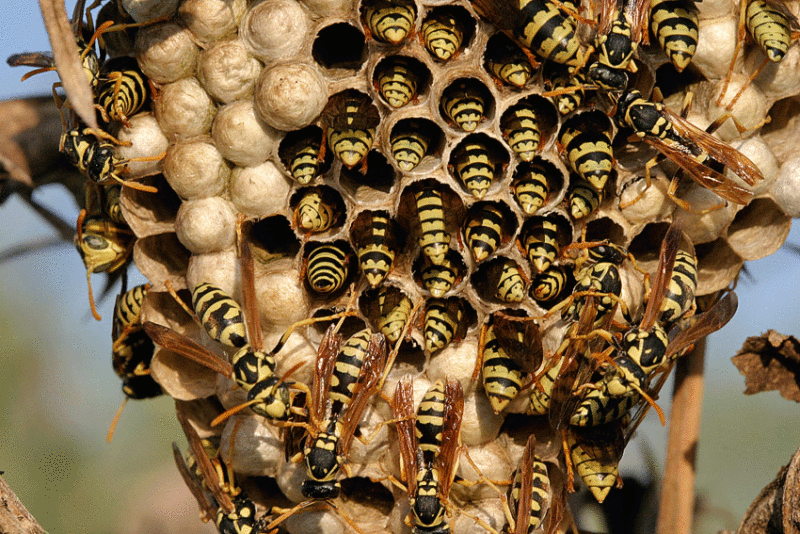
58	392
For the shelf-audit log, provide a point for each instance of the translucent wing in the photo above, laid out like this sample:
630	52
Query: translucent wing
451	431
403	411
186	347
666	262
690	329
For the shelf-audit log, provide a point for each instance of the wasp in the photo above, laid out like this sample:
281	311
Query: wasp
539	26
317	210
443	32
507	62
300	153
510	348
548	285
390	21
487	228
695	151
349	121
410	145
429	441
326	268
521	130
390	310
344	382
252	368
439	279
397	80
530	493
112	207
104	246
444	321
596	453
530	187
434	239
600	277
475	166
132	350
615	46
674	23
375	235
540	242
122	91
464	104
584	199
96	159
233	511
647	347
586	141
771	25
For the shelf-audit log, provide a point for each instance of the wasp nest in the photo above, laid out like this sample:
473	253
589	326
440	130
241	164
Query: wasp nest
411	160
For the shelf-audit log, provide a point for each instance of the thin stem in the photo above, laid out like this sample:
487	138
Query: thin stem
677	493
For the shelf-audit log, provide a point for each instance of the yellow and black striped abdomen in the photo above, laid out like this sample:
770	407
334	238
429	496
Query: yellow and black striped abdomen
434	240
430	421
350	146
375	256
464	105
439	279
548	285
484	232
390	21
521	131
541	392
409	147
220	315
326	269
594	463
395	311
476	167
502	376
313	214
540	243
441	323
304	164
674	23
530	188
442	34
129	306
397	81
122	92
549	34
584	199
509	282
769	27
589	155
348	367
681	290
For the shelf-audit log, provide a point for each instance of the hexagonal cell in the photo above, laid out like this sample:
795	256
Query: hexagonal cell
272	238
445	321
606	228
759	229
489	226
340	46
161	257
646	245
535	184
528	124
317	209
328	268
500	280
400	80
717	266
350	324
506	62
299	152
154	214
567	92
388	309
349	121
416	142
446	31
478	162
466	103
378	175
389	22
439	279
552	285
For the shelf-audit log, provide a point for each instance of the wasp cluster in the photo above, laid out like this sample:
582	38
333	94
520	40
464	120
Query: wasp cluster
415	162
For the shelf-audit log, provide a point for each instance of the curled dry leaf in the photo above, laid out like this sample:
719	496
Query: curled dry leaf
67	59
776	510
769	362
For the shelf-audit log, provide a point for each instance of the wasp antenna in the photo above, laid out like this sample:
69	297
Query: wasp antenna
114	421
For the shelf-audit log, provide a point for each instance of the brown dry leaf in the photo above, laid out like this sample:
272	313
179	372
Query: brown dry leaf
776	510
771	362
68	61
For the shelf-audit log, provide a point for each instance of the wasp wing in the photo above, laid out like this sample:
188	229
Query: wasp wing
666	262
690	329
326	360
520	338
451	432
405	417
207	508
365	387
523	504
249	299
501	13
740	164
186	347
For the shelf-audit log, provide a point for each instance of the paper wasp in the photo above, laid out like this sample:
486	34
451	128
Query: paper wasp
695	151
510	348
349	121
530	494
345	379
429	441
